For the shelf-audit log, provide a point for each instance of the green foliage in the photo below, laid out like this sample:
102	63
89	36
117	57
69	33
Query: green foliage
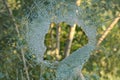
103	60
103	63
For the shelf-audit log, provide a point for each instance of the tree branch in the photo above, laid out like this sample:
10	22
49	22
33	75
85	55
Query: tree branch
17	30
11	15
108	30
69	40
58	31
25	65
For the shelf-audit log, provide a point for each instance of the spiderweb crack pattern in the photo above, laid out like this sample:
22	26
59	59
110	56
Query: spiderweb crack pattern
58	11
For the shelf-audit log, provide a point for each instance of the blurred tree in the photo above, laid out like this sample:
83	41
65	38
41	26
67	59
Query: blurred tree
103	64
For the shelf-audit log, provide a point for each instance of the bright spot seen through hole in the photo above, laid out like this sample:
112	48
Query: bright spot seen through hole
79	39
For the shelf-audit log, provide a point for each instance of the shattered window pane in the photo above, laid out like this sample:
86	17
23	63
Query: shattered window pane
58	11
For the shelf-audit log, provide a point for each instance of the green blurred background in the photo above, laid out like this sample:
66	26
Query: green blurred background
104	63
